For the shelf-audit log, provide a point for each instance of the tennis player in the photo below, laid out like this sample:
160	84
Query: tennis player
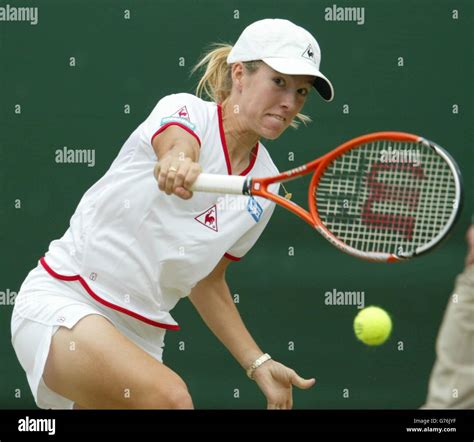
90	319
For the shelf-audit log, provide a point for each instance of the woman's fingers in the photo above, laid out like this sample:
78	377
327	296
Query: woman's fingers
177	176
185	178
193	172
181	171
163	176
171	175
183	193
276	381
300	382
284	406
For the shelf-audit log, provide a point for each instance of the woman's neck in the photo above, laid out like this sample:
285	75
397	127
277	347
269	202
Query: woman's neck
240	141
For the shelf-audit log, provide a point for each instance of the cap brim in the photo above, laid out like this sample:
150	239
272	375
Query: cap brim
291	66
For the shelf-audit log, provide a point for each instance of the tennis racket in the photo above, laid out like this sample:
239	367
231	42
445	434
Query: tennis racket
385	196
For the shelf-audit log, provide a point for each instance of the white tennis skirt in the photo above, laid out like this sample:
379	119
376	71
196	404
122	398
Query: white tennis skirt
44	304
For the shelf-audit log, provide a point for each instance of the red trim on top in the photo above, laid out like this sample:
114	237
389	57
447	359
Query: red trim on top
232	258
223	142
103	301
253	158
182	126
253	154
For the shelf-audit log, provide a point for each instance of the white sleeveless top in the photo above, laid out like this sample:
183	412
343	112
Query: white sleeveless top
137	250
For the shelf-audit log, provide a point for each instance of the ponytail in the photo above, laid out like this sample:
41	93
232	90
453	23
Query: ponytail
216	81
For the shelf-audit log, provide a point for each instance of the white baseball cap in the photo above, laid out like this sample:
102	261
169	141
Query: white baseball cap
285	47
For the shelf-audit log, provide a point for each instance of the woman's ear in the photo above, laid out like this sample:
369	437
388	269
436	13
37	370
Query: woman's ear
237	75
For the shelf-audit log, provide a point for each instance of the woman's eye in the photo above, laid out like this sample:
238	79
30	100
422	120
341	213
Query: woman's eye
303	92
278	81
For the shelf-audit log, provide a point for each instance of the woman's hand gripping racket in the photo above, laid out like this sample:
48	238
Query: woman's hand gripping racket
384	196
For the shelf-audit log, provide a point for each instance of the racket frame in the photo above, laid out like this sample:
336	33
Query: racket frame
259	187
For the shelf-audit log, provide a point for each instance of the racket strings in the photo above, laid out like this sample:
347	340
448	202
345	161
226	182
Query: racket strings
386	196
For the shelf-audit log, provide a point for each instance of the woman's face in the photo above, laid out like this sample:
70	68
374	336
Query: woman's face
269	100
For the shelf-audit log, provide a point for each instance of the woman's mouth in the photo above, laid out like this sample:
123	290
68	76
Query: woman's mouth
277	117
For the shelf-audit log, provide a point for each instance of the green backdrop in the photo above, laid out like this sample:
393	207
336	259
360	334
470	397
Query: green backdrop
135	61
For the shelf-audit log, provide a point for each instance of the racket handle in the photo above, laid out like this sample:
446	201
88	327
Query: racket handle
233	184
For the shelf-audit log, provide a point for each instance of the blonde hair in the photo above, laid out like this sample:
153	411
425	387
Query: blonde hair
216	82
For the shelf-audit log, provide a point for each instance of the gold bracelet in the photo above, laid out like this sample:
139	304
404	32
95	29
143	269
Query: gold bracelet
256	364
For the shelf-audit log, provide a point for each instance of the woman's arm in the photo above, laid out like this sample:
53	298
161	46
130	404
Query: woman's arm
177	168
212	299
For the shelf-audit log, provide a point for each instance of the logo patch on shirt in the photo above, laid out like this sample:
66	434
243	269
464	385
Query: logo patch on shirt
255	209
182	113
209	218
180	116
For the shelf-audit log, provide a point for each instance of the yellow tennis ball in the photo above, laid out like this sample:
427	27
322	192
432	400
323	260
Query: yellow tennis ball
372	325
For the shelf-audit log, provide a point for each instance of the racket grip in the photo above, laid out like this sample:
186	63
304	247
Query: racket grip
207	182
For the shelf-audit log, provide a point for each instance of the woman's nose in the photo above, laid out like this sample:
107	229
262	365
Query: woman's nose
289	101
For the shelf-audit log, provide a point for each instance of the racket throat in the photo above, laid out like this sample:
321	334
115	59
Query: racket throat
247	187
